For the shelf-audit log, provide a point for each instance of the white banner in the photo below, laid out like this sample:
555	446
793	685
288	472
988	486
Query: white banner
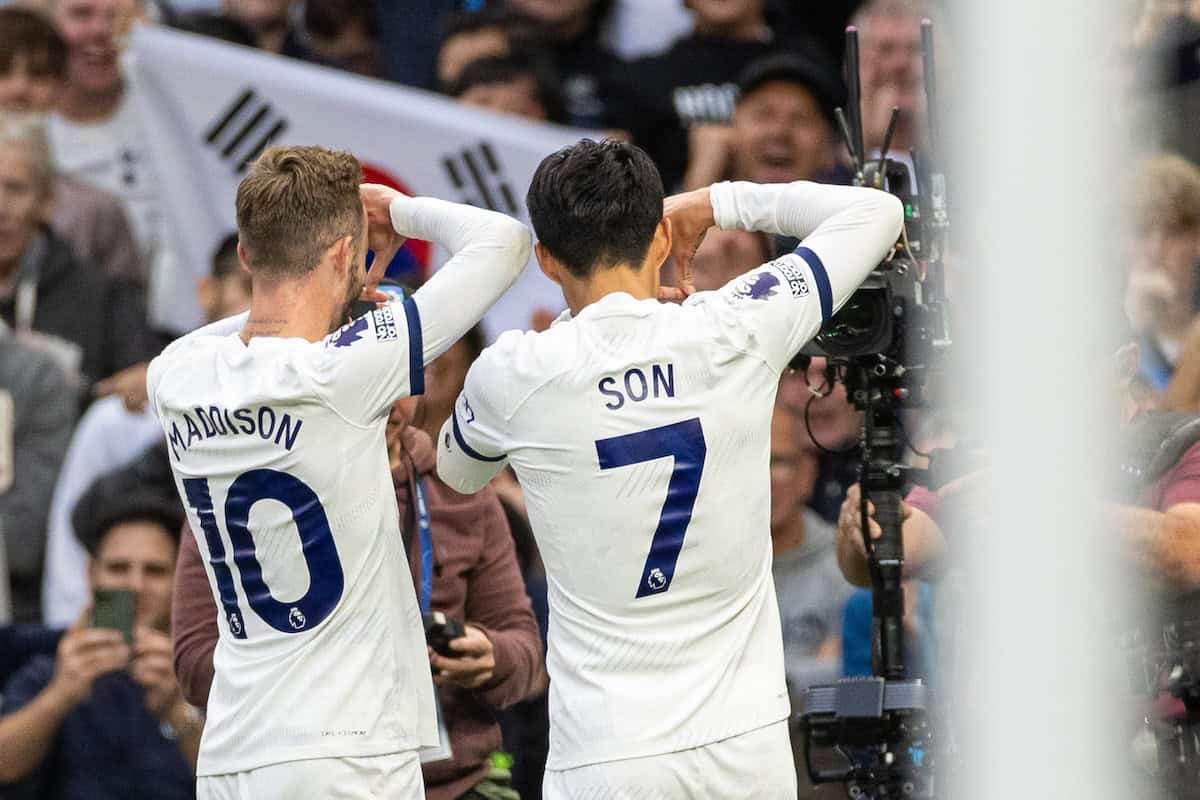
209	108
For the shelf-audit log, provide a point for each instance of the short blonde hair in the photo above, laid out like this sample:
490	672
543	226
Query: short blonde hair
1165	190
29	132
294	204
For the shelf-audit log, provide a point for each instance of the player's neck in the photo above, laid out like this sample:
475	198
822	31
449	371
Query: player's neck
288	310
790	536
641	284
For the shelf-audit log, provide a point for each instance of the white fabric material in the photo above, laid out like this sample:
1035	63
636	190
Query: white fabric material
395	777
107	437
677	395
420	142
278	452
114	155
757	765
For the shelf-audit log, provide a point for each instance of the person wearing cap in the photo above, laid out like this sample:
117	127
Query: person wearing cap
782	127
669	99
104	718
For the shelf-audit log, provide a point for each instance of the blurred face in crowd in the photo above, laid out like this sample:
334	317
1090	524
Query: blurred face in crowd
793	467
21	89
352	49
24	203
723	255
224	296
833	421
725	13
258	14
518	97
95	33
1170	249
460	50
444	380
138	555
891	59
780	134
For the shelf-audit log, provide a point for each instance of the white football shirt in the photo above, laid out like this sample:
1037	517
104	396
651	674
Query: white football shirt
278	452
640	434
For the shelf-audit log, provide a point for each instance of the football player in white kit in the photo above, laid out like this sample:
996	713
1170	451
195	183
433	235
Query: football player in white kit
639	431
275	425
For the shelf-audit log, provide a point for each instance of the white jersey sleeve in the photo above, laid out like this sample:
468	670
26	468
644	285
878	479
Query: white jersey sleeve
845	231
382	355
473	443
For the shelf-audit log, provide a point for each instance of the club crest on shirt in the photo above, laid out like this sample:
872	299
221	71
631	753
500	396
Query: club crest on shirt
349	334
793	275
759	286
385	324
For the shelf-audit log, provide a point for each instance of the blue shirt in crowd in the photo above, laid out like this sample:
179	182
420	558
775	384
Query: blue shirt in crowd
109	747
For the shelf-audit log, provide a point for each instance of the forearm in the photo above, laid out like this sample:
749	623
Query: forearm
188	724
849	228
489	251
1165	545
26	735
193	623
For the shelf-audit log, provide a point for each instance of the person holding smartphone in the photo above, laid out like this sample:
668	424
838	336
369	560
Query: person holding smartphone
104	717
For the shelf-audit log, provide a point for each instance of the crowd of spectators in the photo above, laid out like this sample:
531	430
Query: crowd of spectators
711	89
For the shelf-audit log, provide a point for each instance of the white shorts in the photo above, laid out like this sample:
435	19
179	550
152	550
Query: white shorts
396	776
756	765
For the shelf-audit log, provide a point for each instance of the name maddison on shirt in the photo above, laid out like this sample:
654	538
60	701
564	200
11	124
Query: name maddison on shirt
264	421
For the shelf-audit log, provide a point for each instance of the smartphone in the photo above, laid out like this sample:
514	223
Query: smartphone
440	630
115	609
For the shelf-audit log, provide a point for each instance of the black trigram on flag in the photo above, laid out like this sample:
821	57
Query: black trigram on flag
244	129
477	175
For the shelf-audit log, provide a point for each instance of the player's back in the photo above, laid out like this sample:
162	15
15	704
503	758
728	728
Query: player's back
281	463
640	435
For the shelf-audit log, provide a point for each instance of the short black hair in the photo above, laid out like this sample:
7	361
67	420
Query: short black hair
144	490
215	26
491	70
474	21
594	205
328	18
225	259
29	33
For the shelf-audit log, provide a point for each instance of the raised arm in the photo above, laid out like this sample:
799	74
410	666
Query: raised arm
849	229
489	251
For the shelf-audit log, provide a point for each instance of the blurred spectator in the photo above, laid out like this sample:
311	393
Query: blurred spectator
96	136
271	23
41	282
111	433
19	644
1165	74
782	127
694	83
33	64
1161	297
344	34
515	85
889	34
808	584
106	719
37	411
475	580
468	37
570	29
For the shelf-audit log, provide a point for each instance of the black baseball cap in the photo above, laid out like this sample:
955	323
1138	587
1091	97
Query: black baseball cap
817	78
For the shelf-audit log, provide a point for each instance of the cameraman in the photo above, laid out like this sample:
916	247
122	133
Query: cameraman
475	579
1160	531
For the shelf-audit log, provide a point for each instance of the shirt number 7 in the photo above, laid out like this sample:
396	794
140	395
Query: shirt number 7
685	442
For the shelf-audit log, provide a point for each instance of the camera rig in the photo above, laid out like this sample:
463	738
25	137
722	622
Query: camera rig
874	734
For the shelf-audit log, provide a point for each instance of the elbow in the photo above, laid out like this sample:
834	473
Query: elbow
891	211
518	244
